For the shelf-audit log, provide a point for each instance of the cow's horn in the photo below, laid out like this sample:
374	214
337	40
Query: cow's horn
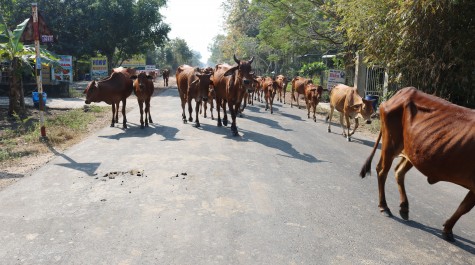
235	59
252	59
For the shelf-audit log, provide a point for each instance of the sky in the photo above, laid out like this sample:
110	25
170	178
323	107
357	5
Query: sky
195	21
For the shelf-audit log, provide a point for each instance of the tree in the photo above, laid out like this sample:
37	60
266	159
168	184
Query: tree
427	44
19	57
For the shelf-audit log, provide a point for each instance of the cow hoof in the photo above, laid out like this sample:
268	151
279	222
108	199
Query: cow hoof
315	119
212	118
112	125
190	119
387	213
348	139
124	126
225	122
197	125
404	214
329	130
448	236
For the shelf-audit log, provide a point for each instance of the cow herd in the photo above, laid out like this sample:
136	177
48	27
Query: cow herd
428	133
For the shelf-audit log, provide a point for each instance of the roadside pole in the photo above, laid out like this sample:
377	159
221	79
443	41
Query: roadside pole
39	83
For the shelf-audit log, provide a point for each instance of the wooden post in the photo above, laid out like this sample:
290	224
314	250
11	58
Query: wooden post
39	83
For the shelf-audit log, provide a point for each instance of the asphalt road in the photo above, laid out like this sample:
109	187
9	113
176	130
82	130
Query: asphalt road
284	192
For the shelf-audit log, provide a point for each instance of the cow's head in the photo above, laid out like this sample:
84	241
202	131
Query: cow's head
204	82
140	80
366	110
91	92
244	68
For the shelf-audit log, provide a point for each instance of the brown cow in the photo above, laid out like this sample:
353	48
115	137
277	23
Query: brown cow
298	86
228	86
351	105
313	94
281	87
143	89
431	134
211	98
258	88
165	75
269	89
192	84
249	90
117	87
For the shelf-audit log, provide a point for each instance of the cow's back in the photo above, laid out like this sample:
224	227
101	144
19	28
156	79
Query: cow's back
183	76
433	130
343	97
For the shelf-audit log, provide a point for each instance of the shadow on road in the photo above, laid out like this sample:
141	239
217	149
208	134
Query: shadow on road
168	133
460	242
88	168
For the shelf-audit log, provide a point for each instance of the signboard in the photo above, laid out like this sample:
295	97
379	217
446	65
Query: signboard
135	62
46	35
66	74
335	77
99	67
150	68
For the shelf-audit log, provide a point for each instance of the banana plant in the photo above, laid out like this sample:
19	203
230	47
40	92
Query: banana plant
19	58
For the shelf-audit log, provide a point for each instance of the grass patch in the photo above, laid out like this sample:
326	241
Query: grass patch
20	136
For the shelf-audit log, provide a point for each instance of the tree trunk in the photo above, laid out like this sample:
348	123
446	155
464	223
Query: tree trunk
16	100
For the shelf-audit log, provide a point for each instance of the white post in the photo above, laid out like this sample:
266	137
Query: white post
34	9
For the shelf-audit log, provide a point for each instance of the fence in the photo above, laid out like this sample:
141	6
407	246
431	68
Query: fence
375	80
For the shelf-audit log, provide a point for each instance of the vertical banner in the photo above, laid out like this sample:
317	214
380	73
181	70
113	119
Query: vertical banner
335	77
66	74
99	67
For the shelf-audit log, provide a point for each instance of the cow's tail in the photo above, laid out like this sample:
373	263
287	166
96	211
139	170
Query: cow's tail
367	165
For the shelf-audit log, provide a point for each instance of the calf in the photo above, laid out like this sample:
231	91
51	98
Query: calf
112	90
143	88
281	87
298	86
211	98
269	89
313	94
346	100
165	75
431	134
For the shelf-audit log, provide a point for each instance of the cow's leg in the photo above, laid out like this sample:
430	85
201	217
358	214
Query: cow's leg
198	103
147	110
233	108
402	167
113	114
225	113
124	117
314	105
348	136
141	113
218	108
329	117
341	124
466	205
211	109
190	110
382	169
356	126
307	103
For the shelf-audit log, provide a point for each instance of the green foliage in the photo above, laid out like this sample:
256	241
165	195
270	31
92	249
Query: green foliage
312	69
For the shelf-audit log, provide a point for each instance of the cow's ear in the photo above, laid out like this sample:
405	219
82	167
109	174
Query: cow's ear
231	71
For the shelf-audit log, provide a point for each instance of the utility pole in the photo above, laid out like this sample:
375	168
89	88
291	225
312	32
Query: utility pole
39	83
